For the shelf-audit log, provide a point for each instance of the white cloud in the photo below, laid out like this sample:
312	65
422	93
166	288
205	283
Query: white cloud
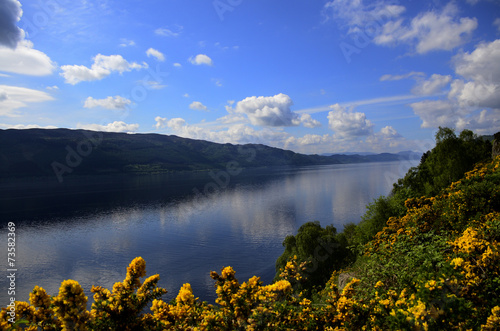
413	74
389	132
153	84
117	126
475	93
429	31
497	24
164	32
431	86
102	67
476	88
435	113
387	140
477	65
236	133
358	16
26	126
271	111
177	65
484	122
14	97
349	124
196	105
25	60
116	102
155	53
308	121
10	14
126	42
268	111
17	54
217	82
481	84
201	59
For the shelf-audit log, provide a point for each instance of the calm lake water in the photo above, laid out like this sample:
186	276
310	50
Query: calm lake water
183	225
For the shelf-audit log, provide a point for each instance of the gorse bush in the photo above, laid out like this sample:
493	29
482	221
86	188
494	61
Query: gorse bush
437	267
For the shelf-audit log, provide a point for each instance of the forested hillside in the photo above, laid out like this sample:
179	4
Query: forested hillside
59	152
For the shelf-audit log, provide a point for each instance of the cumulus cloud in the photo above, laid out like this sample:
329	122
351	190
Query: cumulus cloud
429	31
382	23
201	59
10	14
268	111
431	86
388	139
236	133
349	124
25	60
17	54
14	97
435	113
117	126
484	122
174	123
196	105
308	121
116	102
477	65
155	53
102	67
481	84
273	111
473	100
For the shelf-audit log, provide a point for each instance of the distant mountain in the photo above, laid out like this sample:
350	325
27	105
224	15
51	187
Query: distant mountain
349	153
59	152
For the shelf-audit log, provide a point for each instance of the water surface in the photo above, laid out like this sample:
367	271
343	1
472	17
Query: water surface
183	225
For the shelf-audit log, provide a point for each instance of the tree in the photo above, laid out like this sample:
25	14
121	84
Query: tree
322	249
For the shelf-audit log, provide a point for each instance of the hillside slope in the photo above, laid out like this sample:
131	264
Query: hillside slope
43	152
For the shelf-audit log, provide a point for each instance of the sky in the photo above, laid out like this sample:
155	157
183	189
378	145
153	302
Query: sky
312	76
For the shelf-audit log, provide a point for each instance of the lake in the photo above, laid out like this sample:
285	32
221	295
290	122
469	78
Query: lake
184	225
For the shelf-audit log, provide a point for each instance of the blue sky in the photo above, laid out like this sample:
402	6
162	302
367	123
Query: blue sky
310	76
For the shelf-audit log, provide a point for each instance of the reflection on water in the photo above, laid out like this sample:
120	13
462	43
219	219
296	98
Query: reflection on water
89	229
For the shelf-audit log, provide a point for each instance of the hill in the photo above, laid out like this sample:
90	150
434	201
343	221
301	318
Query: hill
45	152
